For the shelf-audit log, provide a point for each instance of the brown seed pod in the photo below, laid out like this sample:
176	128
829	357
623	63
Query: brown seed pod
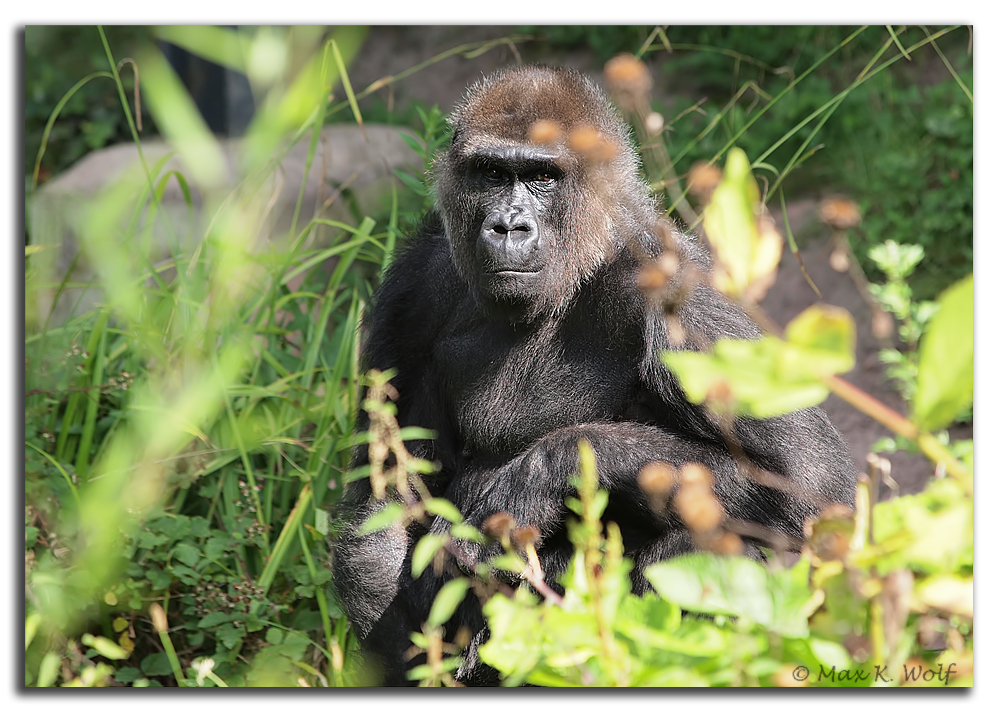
499	525
839	213
524	536
544	131
698	507
703	179
839	260
882	324
697	474
592	145
657	478
629	81
728	543
654	123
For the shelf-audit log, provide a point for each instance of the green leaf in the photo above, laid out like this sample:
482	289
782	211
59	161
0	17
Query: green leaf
187	553
768	377
826	337
128	674
212	620
426	548
747	247
157	664
516	636
105	647
945	380
735	586
447	601
461	531
443	508
229	636
385	518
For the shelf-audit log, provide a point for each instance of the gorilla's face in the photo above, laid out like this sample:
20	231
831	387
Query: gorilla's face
515	190
530	220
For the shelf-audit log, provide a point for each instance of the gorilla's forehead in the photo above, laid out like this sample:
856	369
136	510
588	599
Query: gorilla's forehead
507	105
514	150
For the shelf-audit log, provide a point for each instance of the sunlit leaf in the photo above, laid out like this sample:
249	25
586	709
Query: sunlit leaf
945	380
424	551
735	586
385	518
746	245
447	601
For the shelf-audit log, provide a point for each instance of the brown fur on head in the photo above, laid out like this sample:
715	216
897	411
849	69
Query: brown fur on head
602	199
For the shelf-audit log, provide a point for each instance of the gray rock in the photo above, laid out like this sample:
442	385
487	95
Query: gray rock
344	159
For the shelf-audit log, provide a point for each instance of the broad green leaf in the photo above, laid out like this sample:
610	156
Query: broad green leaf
930	531
747	247
768	377
385	518
735	586
212	620
443	508
187	553
945	380
105	647
948	593
826	337
426	548
516	636
447	601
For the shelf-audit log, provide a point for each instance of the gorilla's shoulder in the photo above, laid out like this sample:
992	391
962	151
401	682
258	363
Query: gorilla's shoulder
422	278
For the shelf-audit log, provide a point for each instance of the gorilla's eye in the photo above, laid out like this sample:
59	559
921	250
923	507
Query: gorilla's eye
546	177
492	172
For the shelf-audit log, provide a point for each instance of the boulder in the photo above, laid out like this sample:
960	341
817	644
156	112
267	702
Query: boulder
347	162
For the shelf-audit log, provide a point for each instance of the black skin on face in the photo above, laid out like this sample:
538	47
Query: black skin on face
515	326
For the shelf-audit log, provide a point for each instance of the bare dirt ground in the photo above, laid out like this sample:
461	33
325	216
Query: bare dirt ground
390	50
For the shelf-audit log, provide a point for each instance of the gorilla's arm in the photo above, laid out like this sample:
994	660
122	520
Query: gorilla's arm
370	572
803	448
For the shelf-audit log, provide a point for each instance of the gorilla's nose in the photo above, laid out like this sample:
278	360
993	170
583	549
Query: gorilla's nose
510	235
510	239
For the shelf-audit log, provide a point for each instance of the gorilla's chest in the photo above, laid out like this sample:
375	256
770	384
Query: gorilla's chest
506	390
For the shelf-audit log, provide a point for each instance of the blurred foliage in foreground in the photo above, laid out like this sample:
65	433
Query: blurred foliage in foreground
184	439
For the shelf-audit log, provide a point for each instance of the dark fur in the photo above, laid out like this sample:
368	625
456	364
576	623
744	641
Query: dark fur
512	372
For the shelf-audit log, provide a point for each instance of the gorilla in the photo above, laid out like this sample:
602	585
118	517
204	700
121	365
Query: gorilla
515	326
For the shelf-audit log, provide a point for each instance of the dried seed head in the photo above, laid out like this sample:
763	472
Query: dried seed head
698	507
674	330
654	123
524	536
728	543
719	396
499	525
544	132
882	325
629	81
652	277
664	232
703	179
839	213
839	260
697	474
463	637
158	616
592	145
657	478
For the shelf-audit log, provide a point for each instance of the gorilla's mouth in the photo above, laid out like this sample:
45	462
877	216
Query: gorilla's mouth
513	273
